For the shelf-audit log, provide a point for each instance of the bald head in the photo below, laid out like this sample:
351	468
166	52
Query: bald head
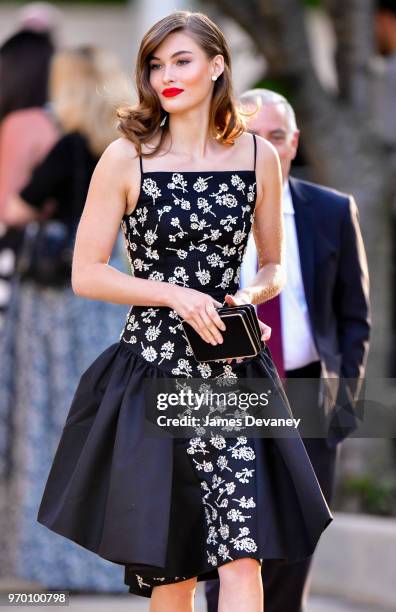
273	119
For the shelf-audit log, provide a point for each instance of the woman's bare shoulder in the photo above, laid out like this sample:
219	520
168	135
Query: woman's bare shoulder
120	159
265	150
121	150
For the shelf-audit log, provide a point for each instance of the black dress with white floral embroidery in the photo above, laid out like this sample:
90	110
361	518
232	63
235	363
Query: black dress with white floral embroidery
172	508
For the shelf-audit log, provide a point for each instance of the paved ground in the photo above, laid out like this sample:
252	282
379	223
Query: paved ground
131	603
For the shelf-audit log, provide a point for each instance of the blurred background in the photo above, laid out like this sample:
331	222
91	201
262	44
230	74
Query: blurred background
335	60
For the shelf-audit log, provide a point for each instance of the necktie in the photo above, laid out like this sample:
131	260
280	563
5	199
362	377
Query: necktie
269	313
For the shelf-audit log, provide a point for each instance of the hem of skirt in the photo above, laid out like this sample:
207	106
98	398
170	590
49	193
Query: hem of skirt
201	575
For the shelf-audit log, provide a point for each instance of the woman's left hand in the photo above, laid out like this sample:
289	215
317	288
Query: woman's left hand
242	298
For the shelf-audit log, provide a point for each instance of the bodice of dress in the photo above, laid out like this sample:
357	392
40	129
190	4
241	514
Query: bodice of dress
189	229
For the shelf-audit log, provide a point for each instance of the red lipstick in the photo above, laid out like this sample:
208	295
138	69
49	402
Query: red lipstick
171	91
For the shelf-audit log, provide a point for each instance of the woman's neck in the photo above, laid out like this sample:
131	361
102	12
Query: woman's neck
189	135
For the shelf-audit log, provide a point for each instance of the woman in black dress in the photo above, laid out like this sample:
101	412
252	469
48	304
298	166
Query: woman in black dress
187	184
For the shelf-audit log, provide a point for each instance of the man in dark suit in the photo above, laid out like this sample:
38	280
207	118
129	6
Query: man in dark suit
320	324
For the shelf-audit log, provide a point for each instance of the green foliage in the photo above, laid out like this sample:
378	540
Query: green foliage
313	3
373	495
273	85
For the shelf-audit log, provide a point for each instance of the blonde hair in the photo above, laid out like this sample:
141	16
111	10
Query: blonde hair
141	122
86	86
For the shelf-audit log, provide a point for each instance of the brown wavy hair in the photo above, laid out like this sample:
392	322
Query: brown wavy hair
141	122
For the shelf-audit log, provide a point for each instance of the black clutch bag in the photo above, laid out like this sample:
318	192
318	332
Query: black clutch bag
241	338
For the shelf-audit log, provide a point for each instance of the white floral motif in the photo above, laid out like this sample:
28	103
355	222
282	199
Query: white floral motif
150	252
218	441
177	182
184	204
228	200
204	205
141	214
206	466
215	261
227	251
180	252
153	332
244	475
133	225
201	183
151	235
141	582
204	369
239	235
183	368
198	224
163	210
236	515
237	182
202	247
251	194
156	275
203	275
167	350
141	266
228	222
175	222
180	276
149	314
151	188
245	503
149	353
241	542
226	278
212	559
245	210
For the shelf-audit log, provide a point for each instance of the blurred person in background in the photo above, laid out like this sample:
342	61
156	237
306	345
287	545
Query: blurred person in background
385	89
385	97
320	321
39	17
27	131
50	334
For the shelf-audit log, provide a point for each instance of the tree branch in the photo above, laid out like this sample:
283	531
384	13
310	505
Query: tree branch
353	27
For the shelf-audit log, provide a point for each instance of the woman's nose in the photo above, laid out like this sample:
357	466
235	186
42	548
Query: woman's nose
167	74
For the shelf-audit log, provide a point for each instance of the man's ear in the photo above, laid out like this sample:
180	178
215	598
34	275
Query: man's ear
295	141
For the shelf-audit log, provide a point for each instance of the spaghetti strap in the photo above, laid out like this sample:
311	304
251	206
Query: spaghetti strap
141	164
255	150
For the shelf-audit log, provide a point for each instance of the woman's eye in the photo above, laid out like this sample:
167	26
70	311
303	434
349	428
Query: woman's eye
183	61
154	66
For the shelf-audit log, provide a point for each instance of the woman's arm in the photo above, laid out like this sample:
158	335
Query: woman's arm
114	184
267	231
25	136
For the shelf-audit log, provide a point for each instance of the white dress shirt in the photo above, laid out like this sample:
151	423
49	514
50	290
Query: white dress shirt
297	340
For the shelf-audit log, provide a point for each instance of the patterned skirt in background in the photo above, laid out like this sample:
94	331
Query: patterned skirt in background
49	338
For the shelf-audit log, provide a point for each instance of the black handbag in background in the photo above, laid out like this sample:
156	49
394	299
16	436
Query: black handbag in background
242	337
46	254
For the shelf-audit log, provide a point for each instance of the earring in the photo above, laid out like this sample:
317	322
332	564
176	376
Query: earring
163	121
214	77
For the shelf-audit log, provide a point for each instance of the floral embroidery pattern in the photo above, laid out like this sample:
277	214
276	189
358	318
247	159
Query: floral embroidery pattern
191	230
227	530
186	230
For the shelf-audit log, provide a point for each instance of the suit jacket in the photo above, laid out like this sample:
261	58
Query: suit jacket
336	283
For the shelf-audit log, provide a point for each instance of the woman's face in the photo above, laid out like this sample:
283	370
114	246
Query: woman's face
181	73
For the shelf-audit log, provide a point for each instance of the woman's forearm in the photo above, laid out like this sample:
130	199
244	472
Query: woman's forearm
100	281
268	282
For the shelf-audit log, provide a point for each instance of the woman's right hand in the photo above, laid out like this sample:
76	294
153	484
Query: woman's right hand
199	310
